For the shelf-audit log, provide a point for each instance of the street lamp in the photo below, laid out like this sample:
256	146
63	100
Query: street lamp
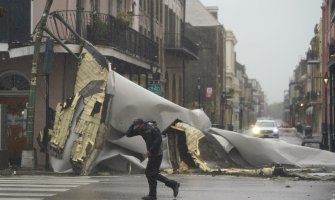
326	79
325	132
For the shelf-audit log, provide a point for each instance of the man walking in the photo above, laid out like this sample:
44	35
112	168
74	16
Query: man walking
153	140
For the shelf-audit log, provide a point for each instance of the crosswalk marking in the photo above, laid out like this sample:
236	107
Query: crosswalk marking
32	189
14	198
39	187
53	182
26	194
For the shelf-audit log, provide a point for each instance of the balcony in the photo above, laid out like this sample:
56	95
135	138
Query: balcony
313	97
312	56
106	30
180	45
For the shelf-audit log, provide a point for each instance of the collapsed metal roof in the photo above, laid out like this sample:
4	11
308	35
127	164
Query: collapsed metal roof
89	132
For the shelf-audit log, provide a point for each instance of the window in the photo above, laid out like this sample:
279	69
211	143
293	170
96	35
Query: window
95	5
161	11
110	7
180	90
174	89
13	81
167	88
149	6
157	10
119	6
166	16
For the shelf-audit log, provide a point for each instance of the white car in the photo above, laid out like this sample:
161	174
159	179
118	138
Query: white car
265	128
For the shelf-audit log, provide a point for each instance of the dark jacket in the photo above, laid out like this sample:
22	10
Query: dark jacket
151	135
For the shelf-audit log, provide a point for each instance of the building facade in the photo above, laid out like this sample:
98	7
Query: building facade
205	77
233	89
143	40
328	71
258	101
176	49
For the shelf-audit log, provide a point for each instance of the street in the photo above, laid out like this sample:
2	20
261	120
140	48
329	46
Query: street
195	187
76	75
285	134
289	136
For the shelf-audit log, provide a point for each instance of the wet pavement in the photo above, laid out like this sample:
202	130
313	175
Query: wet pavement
200	187
38	185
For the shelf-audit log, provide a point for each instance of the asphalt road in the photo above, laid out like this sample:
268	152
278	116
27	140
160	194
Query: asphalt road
193	187
206	187
288	135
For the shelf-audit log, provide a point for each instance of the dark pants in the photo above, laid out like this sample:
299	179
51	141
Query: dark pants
152	174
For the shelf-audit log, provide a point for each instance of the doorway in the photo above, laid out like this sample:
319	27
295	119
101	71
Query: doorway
14	90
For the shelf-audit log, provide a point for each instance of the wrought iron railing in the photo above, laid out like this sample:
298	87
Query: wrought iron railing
312	55
103	29
173	40
313	96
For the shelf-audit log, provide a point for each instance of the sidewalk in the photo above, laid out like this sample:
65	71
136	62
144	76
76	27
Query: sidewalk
313	141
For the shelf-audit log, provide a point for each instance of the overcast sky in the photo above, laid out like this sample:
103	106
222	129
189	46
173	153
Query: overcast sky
272	35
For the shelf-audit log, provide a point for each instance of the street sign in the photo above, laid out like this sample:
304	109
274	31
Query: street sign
155	87
209	92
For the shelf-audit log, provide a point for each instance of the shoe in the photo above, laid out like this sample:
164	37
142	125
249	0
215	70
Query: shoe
176	190
149	198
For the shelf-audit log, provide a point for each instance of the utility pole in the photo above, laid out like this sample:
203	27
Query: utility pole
30	153
48	60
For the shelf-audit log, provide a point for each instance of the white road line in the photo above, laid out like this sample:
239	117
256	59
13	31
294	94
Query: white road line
39	186
49	181
26	194
18	189
14	198
47	177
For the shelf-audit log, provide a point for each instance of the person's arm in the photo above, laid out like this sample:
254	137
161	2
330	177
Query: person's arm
157	141
131	131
